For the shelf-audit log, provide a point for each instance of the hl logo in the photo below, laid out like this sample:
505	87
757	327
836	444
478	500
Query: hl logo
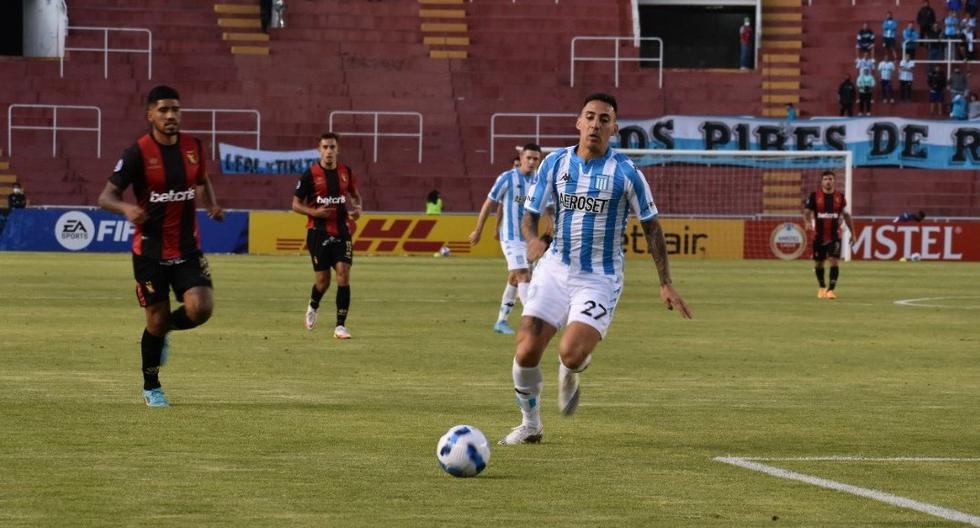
383	236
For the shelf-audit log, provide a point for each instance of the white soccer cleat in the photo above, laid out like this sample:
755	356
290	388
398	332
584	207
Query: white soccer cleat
341	333
568	393
310	317
523	434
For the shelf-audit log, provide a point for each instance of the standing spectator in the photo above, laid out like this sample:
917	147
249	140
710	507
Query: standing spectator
745	45
925	18
968	31
865	40
909	37
936	46
864	62
905	77
433	203
937	86
791	113
889	28
265	14
845	96
16	199
954	5
971	8
958	82
951	26
865	86
885	70
974	107
959	108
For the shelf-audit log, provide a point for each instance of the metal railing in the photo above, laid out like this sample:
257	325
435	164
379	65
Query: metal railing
105	49
54	128
949	57
537	136
616	59
214	132
375	133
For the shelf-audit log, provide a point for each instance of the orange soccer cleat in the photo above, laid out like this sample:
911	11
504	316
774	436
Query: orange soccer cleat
822	293
830	295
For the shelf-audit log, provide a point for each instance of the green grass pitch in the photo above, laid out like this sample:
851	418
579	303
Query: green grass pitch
275	426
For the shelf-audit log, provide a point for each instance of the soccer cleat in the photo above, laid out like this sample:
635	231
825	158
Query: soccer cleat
165	350
568	393
822	293
830	295
310	317
523	434
341	332
501	327
155	398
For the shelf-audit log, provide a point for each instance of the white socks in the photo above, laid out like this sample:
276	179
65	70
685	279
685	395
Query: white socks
564	371
527	387
507	302
522	292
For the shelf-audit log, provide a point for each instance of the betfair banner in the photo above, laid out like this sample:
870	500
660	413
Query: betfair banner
886	141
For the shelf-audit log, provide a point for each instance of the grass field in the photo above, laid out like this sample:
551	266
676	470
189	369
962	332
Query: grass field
275	426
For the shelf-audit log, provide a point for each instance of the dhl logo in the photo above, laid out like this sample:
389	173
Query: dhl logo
390	236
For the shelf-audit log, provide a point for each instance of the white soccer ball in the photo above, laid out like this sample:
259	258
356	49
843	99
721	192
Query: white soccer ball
915	257
444	251
463	451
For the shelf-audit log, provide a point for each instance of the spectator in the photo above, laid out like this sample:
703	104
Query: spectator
954	5
936	46
951	26
433	203
17	199
865	40
959	109
885	70
937	86
889	28
909	216
265	14
905	77
909	37
865	86
845	96
791	113
971	8
958	82
925	18
968	30
864	62
745	43
278	18
974	107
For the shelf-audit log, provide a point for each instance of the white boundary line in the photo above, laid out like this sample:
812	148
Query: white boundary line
916	302
902	502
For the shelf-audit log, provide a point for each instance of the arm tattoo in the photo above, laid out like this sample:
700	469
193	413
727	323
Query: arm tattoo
657	246
530	225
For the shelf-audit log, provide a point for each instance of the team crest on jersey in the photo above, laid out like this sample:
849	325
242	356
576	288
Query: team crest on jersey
191	157
600	182
153	161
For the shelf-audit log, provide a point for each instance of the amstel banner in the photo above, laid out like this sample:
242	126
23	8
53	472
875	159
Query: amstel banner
280	232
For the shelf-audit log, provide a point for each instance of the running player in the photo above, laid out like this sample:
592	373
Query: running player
822	214
167	172
509	192
579	278
322	194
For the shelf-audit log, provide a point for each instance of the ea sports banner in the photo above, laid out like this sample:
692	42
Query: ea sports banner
887	141
238	160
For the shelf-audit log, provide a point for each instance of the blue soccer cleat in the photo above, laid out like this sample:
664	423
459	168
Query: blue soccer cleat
503	328
165	351
155	398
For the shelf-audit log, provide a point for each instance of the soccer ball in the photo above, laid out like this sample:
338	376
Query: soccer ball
444	251
915	257
463	451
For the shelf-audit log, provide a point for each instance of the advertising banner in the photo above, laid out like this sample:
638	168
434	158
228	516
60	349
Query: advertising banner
875	240
690	239
885	141
95	230
239	160
281	232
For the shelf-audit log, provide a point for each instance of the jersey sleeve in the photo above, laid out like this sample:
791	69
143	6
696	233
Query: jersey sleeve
128	168
352	182
542	192
811	202
843	202
304	187
499	188
639	195
202	167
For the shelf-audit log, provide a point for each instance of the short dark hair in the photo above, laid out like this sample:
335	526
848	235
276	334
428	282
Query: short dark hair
531	146
605	98
16	184
828	172
329	135
161	92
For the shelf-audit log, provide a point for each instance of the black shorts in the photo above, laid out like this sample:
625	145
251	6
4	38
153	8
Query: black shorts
326	250
155	278
822	250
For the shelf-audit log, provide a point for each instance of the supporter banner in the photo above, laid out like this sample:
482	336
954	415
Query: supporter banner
687	239
878	240
888	141
95	230
238	160
276	232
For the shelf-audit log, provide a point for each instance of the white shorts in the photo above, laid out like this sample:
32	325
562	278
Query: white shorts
559	296
515	252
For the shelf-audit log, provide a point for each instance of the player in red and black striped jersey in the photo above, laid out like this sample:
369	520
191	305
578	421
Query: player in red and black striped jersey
822	214
167	172
327	195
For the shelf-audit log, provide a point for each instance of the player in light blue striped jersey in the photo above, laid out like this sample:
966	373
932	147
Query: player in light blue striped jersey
578	280
509	193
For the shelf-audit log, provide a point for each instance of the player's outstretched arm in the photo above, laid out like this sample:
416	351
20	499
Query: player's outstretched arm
657	246
480	221
529	226
850	226
358	205
808	222
111	199
211	201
